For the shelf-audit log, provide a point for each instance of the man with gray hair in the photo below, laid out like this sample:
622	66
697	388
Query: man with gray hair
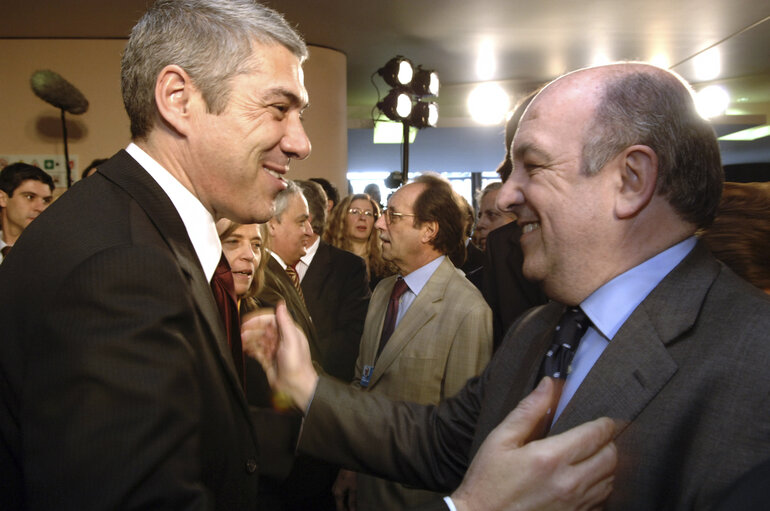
118	388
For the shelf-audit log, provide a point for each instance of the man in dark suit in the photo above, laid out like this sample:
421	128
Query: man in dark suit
287	234
669	342
507	291
117	386
336	291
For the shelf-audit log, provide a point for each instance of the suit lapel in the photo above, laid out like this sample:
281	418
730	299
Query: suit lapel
636	365
422	310
162	213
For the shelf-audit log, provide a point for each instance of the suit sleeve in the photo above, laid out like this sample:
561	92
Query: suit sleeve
102	402
420	445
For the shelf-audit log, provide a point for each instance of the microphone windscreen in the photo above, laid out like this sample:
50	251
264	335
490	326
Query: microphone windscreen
53	89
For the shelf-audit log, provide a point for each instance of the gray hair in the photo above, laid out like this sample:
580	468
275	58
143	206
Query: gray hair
656	108
491	187
210	39
316	203
282	199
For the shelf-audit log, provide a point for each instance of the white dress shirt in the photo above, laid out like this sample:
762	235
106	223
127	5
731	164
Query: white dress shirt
197	220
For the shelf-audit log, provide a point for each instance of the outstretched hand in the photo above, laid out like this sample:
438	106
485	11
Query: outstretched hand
570	471
282	350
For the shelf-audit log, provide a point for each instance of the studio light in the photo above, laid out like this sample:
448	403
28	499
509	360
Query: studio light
396	105
425	82
398	72
424	115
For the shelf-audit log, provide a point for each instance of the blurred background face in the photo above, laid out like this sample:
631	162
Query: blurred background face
490	218
242	251
29	199
289	235
359	220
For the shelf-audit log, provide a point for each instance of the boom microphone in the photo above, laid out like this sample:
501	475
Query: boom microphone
53	89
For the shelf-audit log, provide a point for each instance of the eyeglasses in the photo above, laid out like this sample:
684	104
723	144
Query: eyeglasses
359	212
390	215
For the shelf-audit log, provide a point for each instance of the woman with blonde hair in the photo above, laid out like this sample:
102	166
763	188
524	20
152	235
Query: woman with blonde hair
351	227
245	251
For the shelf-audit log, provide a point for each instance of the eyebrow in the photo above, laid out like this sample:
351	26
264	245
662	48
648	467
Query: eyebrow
525	148
284	93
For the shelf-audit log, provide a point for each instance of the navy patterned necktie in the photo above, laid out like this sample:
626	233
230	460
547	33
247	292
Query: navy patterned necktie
389	325
558	359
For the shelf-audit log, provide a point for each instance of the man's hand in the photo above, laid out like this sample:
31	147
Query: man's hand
570	471
345	490
282	350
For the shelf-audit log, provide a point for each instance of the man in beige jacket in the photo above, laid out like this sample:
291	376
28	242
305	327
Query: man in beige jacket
427	329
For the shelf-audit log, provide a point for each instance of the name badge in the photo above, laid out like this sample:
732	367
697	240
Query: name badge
367	375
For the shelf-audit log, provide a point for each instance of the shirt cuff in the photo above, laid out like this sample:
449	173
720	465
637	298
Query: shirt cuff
450	504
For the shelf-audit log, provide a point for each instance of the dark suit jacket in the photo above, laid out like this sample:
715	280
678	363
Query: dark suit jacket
473	267
278	286
337	295
117	387
686	374
504	287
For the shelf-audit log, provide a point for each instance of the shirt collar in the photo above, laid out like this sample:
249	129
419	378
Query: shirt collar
610	306
310	252
417	279
197	220
278	258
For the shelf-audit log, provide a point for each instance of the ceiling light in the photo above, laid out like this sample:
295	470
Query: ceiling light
749	134
708	65
485	61
396	105
398	71
488	103
712	101
425	82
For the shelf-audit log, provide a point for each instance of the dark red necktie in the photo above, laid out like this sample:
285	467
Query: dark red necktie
392	313
223	287
5	250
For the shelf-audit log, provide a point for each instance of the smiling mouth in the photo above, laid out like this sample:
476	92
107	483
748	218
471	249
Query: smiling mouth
530	227
245	273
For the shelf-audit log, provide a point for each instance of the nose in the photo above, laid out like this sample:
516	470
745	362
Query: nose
295	142
380	223
308	228
245	252
39	205
511	193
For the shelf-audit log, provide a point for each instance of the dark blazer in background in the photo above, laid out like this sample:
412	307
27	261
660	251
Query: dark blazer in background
686	376
117	387
337	295
504	287
473	267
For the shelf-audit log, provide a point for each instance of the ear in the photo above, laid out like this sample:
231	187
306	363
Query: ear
174	96
638	167
3	199
429	231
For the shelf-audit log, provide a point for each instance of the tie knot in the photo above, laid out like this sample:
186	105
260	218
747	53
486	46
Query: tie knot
399	289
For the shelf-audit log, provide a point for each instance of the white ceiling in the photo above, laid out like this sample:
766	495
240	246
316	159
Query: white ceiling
534	40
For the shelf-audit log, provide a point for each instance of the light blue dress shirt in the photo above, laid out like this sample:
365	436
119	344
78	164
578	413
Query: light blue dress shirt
610	306
415	281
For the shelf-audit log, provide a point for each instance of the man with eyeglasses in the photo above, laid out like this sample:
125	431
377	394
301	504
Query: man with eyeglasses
427	330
